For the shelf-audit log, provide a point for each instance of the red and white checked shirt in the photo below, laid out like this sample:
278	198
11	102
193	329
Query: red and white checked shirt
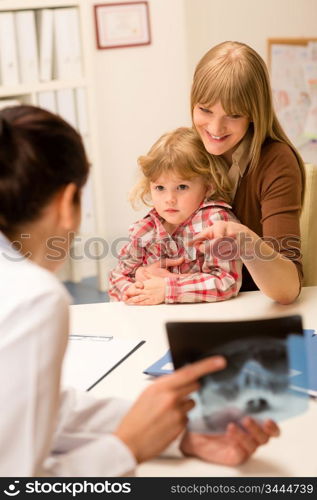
210	278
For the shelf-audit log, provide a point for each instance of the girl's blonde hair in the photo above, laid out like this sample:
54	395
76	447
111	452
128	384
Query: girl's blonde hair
234	74
181	152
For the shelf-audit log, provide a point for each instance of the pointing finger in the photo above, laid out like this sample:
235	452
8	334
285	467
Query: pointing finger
191	373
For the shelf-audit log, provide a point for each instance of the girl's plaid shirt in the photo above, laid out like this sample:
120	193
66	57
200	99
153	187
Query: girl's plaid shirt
209	277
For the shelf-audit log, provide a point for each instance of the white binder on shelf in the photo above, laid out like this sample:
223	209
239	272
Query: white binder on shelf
27	46
81	108
46	100
8	50
76	52
67	46
66	105
44	21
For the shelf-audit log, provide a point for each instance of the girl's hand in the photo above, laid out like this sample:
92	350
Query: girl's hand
157	269
132	289
160	414
232	448
151	293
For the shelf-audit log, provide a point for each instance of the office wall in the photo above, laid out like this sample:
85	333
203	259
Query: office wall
140	92
209	22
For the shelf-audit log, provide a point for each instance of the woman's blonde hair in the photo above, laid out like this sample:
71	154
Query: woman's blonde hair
182	152
234	74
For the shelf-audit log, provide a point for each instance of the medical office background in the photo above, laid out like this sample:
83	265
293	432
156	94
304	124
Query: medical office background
138	93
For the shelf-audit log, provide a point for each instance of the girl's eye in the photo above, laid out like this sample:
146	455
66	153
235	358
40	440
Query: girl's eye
183	187
235	117
159	188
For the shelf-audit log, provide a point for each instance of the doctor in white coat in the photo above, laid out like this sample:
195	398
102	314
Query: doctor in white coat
44	431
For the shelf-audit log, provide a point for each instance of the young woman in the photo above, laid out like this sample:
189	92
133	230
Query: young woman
233	114
44	431
188	192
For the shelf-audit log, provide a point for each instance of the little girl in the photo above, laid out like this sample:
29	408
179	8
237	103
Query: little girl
189	192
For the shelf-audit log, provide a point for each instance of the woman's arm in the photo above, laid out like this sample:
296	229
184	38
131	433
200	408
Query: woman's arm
36	326
269	204
274	274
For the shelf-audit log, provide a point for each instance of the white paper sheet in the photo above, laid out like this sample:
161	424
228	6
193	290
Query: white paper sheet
88	359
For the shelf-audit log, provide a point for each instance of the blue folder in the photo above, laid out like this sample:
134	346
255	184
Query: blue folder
160	366
311	353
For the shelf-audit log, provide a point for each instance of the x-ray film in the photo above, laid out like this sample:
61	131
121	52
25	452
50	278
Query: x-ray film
257	380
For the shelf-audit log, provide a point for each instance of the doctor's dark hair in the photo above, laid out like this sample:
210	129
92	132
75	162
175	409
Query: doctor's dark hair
39	154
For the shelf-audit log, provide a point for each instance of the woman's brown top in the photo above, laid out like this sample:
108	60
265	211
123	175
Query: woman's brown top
268	200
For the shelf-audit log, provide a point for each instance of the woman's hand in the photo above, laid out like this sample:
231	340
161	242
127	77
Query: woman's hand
226	240
160	414
148	293
157	269
232	448
274	274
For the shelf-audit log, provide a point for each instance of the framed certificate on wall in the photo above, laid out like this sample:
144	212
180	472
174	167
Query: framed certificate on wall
122	25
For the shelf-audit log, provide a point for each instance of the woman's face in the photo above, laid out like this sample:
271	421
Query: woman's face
220	133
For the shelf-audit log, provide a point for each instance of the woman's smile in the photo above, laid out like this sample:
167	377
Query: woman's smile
216	138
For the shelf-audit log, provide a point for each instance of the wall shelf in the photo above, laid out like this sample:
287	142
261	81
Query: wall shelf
40	87
36	4
60	81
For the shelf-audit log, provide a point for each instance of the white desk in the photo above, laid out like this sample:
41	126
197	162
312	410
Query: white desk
293	454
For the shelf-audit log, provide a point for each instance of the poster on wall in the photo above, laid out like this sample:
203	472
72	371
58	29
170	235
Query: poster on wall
293	67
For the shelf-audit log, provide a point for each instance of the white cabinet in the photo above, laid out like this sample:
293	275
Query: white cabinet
45	54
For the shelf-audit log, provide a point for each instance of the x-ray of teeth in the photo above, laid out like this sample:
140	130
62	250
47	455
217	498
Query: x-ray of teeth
256	381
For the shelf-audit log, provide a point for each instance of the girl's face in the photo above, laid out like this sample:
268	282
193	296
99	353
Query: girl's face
175	199
220	133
